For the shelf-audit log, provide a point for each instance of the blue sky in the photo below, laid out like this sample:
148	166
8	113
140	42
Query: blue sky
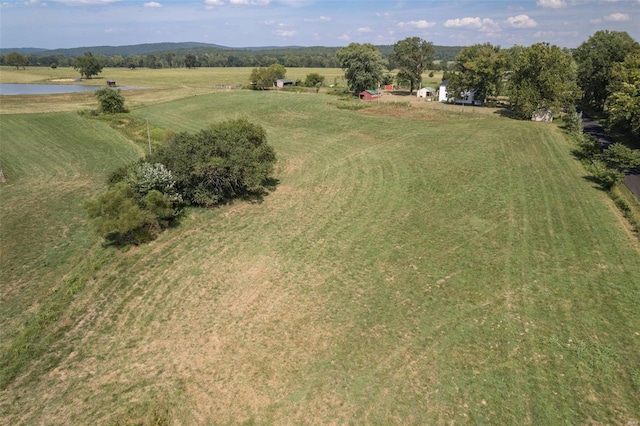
242	23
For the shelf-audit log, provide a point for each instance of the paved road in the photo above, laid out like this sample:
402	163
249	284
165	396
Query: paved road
593	128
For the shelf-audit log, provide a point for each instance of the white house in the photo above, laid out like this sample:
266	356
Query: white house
466	98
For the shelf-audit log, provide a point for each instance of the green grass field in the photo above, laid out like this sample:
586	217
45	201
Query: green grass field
412	266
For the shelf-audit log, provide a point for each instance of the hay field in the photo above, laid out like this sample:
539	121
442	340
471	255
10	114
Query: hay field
411	267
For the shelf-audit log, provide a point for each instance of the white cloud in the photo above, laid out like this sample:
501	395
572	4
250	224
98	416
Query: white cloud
86	2
320	19
253	2
553	4
550	34
464	22
285	33
485	25
617	17
152	4
365	30
213	2
521	21
417	24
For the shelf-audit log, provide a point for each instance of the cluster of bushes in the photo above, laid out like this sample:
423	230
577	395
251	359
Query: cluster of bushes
608	165
228	160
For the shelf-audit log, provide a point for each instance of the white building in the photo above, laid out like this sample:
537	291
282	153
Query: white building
426	92
467	98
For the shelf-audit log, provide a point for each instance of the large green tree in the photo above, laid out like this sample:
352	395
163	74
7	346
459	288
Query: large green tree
412	56
544	77
14	59
623	104
480	67
596	58
190	60
265	77
87	65
362	64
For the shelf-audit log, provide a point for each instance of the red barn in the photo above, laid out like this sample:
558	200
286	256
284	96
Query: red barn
369	95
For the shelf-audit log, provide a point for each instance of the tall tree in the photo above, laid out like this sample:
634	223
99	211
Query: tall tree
623	104
265	77
544	77
190	60
87	65
412	56
596	58
169	58
480	67
362	64
14	59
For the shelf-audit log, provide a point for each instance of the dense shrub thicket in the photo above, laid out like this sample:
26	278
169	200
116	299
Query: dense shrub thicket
225	161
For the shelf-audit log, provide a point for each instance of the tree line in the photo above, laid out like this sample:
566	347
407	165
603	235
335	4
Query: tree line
306	57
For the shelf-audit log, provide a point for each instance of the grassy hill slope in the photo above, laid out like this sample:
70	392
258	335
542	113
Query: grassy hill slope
412	267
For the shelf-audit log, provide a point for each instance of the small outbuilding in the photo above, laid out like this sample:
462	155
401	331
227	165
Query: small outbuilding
282	82
369	95
426	92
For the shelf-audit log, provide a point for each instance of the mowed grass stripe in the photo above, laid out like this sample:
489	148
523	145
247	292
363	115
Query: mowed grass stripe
53	163
403	271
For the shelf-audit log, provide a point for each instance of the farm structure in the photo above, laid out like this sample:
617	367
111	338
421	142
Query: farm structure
282	82
466	98
369	95
427	92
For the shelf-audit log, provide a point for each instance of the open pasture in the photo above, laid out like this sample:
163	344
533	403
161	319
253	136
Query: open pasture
456	268
156	85
165	77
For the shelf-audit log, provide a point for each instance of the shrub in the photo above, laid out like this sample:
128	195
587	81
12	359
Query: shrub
145	177
119	218
573	122
314	79
141	202
111	100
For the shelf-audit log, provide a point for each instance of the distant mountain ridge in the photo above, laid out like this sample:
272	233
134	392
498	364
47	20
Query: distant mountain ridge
127	50
441	52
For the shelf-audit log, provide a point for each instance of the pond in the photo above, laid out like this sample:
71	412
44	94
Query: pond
47	89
